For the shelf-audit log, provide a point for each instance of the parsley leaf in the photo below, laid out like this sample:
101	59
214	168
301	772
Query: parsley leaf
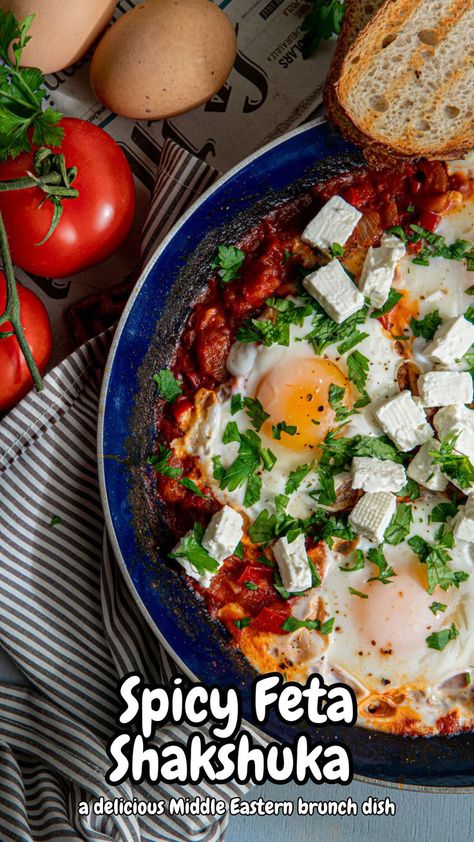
296	477
262	530
293	624
251	586
160	463
325	331
228	261
455	465
378	446
336	250
253	490
283	427
336	396
442	511
400	525
326	493
386	573
191	549
359	563
253	408
242	623
411	489
289	312
55	520
427	326
393	298
352	340
439	640
22	93
358	367
358	593
322	21
436	557
264	331
168	386
436	607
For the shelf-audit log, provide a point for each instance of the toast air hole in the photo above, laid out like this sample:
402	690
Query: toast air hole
429	36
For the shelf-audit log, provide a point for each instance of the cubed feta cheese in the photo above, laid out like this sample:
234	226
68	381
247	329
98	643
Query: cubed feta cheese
241	359
457	421
372	514
334	223
372	474
402	418
463	524
223	533
451	341
293	564
426	472
332	287
441	388
379	269
205	578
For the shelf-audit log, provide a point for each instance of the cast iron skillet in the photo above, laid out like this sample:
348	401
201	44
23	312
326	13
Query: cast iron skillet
144	342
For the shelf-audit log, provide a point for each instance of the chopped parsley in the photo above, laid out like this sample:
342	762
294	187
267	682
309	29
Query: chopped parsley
325	331
440	639
354	338
336	250
250	458
283	427
251	586
228	262
55	520
435	246
326	493
456	466
393	298
253	408
386	573
336	396
161	465
359	563
296	477
191	549
442	511
437	558
358	593
357	369
168	387
427	326
411	489
274	331
400	525
242	623
436	607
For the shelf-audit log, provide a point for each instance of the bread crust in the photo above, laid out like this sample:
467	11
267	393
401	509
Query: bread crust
355	62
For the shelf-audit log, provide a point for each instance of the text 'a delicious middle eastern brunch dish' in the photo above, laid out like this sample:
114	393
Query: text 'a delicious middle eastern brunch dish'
315	442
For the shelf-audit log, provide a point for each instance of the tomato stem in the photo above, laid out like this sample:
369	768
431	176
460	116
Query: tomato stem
12	312
50	184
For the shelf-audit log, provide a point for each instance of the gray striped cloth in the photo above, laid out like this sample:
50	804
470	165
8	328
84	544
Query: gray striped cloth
67	618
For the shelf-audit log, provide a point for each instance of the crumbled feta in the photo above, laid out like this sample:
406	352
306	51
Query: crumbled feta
451	341
403	420
372	514
334	223
426	472
332	287
224	531
372	474
442	388
293	564
457	421
205	578
463	524
379	269
241	359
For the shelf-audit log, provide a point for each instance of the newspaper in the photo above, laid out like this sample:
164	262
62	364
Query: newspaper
270	90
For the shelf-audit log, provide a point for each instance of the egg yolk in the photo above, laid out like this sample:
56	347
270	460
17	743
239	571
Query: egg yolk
297	392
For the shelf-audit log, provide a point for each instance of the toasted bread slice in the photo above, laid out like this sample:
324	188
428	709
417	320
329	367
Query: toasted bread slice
357	16
407	82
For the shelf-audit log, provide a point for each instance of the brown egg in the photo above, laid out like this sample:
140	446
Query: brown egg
62	30
163	58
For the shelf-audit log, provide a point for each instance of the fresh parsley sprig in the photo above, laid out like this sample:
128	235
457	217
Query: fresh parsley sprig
427	326
22	93
228	262
191	549
322	21
437	558
456	466
167	386
440	639
386	573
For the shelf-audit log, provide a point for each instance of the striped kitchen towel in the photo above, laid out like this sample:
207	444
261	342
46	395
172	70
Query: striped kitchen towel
67	618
